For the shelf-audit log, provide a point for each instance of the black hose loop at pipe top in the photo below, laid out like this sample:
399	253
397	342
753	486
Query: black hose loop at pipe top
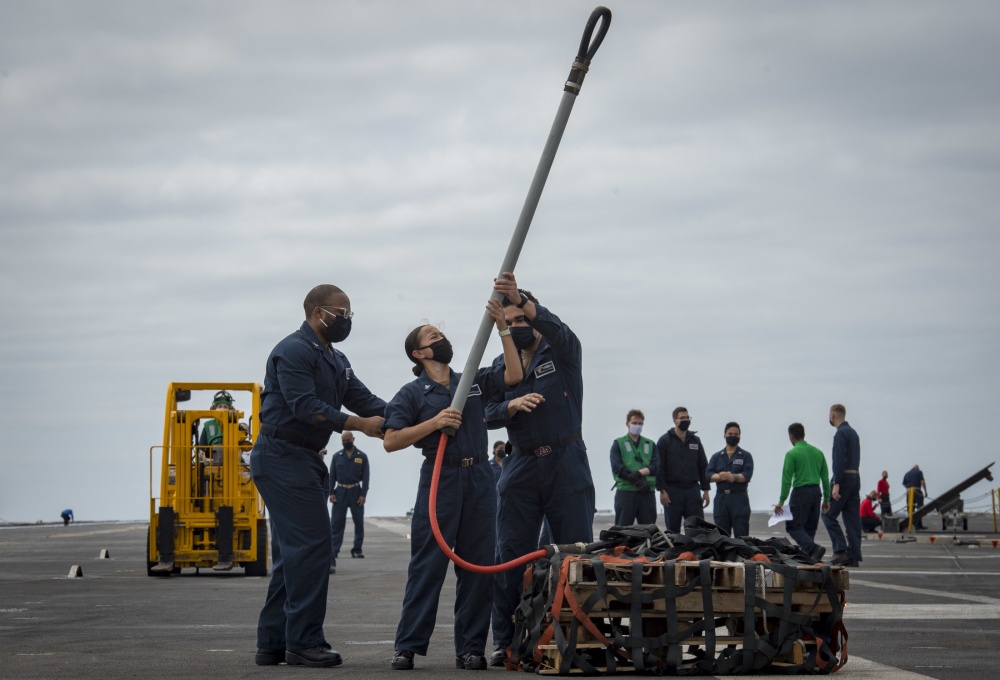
588	48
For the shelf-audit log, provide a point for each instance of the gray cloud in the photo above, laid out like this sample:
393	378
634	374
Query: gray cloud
756	212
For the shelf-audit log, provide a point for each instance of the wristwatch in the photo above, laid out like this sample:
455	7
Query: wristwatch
524	301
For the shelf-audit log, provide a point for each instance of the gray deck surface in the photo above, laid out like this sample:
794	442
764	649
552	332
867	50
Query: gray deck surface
915	609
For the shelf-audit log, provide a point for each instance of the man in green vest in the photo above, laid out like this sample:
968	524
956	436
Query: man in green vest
210	439
633	463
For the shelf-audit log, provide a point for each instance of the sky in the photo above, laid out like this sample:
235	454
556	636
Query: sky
757	210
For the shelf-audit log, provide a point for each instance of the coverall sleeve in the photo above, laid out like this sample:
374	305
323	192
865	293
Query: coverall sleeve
713	465
365	475
825	480
496	415
333	473
661	469
360	400
496	405
839	456
563	340
703	467
747	465
399	412
295	368
616	459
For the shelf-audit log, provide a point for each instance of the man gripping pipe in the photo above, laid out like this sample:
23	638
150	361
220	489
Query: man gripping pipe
547	474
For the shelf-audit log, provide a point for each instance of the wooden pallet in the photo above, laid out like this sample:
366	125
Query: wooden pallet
728	604
552	657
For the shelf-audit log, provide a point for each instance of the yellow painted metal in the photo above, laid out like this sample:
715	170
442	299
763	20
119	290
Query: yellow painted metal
909	506
994	494
197	481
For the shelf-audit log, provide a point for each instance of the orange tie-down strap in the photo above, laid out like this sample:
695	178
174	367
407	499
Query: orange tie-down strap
565	594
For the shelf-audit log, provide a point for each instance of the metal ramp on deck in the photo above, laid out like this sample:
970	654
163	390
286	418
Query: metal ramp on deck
946	501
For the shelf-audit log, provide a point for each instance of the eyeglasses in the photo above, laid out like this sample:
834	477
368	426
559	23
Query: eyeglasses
339	311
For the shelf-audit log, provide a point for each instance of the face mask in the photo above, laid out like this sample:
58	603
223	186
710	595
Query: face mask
635	430
442	351
523	336
348	446
831	423
732	441
684	425
336	331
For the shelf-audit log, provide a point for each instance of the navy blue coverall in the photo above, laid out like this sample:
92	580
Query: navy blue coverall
731	508
682	475
913	480
547	474
304	377
350	474
497	469
466	513
846	465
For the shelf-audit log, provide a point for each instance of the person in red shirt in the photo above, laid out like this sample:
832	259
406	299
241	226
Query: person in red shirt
883	494
869	520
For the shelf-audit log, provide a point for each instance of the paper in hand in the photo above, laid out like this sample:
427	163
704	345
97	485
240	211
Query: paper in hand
777	519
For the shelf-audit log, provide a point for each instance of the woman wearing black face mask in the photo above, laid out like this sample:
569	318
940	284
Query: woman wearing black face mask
466	504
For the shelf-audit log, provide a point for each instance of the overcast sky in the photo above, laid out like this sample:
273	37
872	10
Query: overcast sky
758	210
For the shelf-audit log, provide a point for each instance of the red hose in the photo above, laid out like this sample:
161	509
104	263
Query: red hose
432	508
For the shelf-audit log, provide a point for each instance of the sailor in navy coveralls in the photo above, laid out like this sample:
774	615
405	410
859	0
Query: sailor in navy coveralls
306	383
350	474
547	475
466	501
731	469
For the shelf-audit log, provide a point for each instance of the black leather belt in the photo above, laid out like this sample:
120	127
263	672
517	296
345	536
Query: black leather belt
291	437
542	451
733	491
348	486
462	462
850	472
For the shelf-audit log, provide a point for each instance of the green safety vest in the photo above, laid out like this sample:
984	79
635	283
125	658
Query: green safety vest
213	432
635	457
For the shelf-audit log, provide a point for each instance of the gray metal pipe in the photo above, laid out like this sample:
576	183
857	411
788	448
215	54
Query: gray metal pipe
588	47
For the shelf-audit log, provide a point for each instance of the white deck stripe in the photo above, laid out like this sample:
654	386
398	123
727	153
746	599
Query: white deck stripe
936	572
857	669
864	668
920	612
926	591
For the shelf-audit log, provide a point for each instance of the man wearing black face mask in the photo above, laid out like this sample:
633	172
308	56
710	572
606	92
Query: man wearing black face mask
306	383
731	470
349	477
547	475
683	466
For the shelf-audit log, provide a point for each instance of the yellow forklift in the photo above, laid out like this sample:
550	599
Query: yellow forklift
207	512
